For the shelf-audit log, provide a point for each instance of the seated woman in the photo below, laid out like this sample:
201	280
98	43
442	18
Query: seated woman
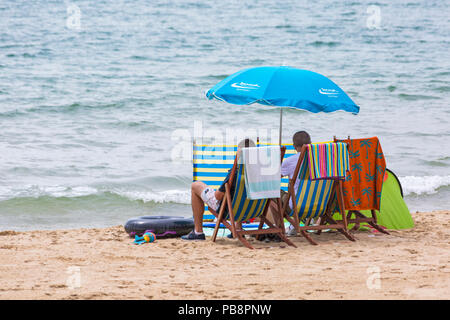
201	194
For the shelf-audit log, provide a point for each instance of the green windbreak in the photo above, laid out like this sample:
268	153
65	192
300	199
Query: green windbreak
393	214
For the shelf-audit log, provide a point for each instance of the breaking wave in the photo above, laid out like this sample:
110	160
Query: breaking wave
166	196
423	185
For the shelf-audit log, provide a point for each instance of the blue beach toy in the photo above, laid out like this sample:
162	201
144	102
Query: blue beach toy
146	238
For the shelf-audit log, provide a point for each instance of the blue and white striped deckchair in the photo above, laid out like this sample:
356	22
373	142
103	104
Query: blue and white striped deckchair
212	162
313	199
235	207
210	165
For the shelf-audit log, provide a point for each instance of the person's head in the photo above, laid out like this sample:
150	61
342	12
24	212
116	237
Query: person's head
246	143
300	138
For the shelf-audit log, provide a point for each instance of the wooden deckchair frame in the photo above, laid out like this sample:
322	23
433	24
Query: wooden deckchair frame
232	226
359	217
340	226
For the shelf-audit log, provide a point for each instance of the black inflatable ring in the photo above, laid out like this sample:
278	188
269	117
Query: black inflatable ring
161	226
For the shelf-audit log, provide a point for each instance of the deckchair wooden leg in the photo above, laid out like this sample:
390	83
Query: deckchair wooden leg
285	239
281	234
260	226
230	210
290	220
308	237
341	230
244	241
280	215
216	229
374	216
340	198
349	216
374	224
377	227
219	220
263	218
296	222
286	216
294	205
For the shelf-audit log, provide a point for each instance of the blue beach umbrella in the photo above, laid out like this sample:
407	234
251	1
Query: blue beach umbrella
283	87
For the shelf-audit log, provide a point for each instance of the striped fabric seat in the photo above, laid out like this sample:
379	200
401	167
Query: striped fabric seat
243	208
313	195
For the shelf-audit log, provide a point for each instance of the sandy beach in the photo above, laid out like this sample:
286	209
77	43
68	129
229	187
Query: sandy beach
105	264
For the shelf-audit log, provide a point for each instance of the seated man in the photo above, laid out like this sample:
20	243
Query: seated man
287	169
201	194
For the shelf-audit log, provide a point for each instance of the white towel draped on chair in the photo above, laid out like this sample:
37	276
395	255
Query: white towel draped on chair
262	172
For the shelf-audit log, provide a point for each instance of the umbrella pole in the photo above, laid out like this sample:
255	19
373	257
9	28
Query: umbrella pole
281	125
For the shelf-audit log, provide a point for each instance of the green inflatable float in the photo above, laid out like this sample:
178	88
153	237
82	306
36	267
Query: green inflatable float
393	214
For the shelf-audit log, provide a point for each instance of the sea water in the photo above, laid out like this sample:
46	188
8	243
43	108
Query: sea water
95	96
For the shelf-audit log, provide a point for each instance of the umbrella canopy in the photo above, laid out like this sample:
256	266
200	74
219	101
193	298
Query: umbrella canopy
283	87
